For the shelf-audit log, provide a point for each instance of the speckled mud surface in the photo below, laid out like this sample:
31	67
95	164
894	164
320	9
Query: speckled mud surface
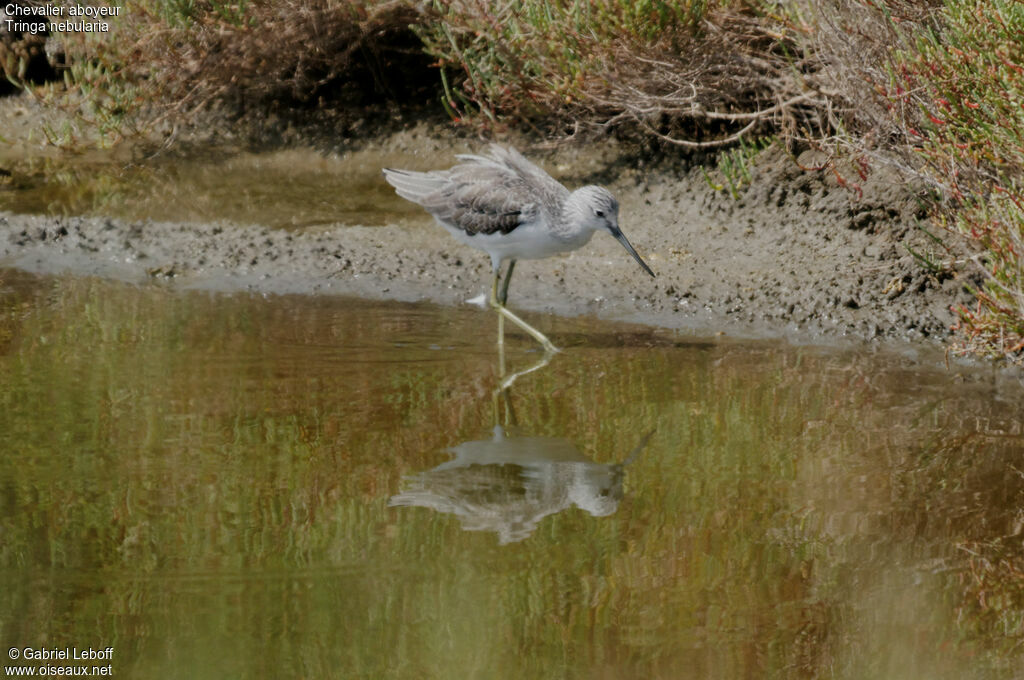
795	256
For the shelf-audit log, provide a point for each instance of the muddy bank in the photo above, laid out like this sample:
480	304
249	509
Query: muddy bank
796	255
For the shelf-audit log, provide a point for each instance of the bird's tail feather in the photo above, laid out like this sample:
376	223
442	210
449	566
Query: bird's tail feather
498	156
413	186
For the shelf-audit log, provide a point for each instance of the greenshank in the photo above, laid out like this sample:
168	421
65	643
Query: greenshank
508	207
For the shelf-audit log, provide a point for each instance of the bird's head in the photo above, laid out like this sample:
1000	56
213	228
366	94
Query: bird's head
599	210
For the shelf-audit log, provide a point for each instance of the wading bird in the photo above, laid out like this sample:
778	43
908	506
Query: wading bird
507	206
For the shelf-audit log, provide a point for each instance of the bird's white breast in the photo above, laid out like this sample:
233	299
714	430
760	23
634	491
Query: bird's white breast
529	241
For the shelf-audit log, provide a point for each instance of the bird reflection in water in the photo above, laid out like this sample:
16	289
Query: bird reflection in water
507	484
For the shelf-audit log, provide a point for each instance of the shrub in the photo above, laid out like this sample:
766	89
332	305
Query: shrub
964	79
689	72
170	59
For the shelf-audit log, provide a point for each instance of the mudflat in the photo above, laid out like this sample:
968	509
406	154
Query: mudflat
809	255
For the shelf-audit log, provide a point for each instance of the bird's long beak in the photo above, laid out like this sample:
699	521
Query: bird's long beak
621	238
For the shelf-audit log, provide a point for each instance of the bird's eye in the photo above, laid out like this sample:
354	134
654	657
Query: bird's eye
599	213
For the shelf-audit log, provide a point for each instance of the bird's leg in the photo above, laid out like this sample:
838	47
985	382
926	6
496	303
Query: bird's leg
503	298
507	381
504	411
501	323
498	305
501	346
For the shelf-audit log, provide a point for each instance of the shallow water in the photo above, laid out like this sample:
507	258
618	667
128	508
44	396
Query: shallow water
237	486
282	189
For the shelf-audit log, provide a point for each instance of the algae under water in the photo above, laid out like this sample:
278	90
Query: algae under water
242	486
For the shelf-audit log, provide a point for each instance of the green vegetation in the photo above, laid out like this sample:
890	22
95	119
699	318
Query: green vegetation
735	166
965	81
934	86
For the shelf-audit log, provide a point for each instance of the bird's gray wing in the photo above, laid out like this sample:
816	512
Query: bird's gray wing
545	187
484	200
476	197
